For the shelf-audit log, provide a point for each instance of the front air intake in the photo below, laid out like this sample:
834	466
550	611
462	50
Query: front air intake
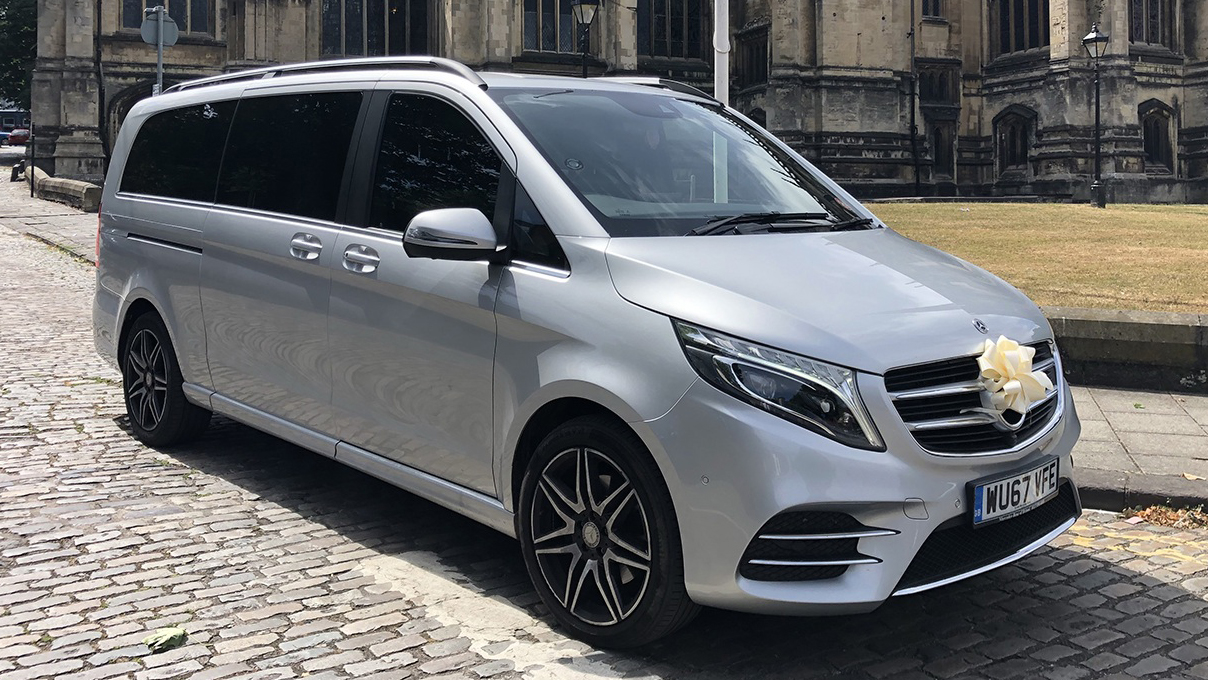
807	545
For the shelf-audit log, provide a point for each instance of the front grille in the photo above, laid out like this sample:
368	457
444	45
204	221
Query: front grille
818	548
981	438
947	371
963	548
946	378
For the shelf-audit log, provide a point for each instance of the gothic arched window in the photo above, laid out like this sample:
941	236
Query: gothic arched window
945	158
674	28
1153	22
1013	138
1019	24
375	27
191	16
549	26
1156	123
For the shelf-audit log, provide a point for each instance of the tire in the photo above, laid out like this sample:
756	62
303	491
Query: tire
600	538
151	386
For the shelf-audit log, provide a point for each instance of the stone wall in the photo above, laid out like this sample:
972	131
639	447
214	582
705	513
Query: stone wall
840	86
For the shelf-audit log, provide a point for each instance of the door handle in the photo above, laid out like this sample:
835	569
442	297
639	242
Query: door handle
360	259
305	246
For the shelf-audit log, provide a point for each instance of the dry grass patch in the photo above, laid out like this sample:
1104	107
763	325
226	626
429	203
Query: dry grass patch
1152	257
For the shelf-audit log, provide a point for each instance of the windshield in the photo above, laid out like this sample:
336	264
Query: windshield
654	165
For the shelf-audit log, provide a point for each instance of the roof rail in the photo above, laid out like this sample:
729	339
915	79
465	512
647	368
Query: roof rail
439	63
664	83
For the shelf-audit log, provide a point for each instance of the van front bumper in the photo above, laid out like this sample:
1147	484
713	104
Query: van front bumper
732	468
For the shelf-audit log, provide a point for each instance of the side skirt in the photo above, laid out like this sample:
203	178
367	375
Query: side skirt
472	504
477	506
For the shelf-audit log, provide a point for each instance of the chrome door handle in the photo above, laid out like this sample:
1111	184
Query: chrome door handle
305	246
360	259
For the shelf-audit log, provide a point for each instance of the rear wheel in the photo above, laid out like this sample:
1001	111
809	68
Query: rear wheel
600	538
151	382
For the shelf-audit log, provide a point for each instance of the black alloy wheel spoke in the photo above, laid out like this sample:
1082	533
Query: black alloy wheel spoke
146	379
618	537
590	578
591	536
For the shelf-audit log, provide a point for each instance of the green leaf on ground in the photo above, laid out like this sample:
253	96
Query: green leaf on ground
165	638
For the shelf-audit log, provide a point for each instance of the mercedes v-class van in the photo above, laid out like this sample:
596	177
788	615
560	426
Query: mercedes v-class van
612	318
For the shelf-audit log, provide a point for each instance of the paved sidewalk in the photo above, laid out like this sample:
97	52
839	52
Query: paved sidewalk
70	229
1135	449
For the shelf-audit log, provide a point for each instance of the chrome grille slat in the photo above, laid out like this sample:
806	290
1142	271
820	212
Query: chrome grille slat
828	537
934	401
928	392
961	421
948	423
957	388
815	563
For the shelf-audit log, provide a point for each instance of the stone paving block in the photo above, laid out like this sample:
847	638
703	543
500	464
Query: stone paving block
1145	444
1084	404
366	625
449	663
1152	665
1159	423
1131	401
105	672
1099	431
1157	464
1199	414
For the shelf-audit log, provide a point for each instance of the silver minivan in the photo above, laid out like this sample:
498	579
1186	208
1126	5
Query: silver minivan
613	318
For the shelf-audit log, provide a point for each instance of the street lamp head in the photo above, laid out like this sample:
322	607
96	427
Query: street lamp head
585	10
1095	42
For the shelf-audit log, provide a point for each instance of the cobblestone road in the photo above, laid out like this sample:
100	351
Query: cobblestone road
280	563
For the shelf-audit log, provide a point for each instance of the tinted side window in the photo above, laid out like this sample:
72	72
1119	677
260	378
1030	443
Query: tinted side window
432	156
177	153
532	240
287	153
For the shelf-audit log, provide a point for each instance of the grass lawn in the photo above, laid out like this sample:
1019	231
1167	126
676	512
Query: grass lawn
1152	257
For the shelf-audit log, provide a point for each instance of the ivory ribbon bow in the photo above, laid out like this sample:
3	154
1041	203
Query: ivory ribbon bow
1006	373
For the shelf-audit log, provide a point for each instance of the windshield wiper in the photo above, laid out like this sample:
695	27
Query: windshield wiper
723	225
844	225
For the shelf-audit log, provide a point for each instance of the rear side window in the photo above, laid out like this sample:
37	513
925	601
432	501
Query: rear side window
176	153
432	156
287	153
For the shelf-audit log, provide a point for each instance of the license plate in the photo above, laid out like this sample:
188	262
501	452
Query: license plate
1014	495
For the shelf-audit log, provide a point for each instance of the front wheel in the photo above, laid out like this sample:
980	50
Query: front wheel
151	382
600	537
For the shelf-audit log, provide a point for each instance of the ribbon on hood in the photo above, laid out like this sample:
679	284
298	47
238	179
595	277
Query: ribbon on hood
1006	373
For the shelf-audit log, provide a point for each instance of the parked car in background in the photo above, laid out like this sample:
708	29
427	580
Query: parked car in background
3	138
19	136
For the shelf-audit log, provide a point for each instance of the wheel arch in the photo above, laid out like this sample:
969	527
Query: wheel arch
557	404
135	308
543	421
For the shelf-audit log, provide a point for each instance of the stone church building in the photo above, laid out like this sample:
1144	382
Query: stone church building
1001	91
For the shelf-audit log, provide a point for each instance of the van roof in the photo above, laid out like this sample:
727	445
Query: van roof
386	66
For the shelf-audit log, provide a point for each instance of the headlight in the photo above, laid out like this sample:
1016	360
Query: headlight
816	395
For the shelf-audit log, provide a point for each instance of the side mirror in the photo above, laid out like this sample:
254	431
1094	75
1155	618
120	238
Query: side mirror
450	234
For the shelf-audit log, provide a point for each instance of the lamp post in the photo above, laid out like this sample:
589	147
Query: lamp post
1096	44
585	13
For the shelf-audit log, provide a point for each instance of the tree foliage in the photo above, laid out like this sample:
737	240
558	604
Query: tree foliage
18	47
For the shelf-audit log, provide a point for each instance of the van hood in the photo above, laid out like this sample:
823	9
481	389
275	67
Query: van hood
870	300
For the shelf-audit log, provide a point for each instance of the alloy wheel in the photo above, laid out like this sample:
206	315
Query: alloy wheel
591	536
146	380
